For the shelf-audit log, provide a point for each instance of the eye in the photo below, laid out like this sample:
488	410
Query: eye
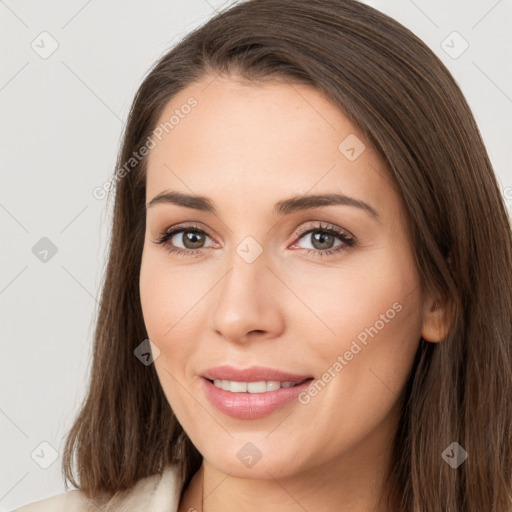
192	238
323	239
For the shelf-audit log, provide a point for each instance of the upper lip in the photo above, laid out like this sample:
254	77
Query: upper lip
251	374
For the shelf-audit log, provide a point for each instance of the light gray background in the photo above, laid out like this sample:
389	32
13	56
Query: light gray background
61	121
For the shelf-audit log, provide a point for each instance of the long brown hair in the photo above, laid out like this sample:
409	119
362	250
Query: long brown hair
394	88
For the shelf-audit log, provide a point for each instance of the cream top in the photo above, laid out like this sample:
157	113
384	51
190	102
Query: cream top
156	493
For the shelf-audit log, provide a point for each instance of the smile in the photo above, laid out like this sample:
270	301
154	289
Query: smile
261	386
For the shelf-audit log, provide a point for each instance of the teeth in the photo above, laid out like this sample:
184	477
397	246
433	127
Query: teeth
252	387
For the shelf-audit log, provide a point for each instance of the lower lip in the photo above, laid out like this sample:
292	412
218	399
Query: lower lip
251	406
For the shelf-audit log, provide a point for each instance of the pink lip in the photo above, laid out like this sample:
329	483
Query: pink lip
251	405
252	374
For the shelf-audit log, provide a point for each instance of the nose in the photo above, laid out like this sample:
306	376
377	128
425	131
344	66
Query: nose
248	302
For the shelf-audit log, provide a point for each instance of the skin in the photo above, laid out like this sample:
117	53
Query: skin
246	147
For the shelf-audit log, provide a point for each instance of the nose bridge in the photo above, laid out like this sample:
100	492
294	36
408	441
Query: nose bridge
244	299
246	256
246	278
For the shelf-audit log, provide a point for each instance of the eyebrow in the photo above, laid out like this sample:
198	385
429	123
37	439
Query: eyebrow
284	207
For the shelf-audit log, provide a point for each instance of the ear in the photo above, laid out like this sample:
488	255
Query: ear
435	327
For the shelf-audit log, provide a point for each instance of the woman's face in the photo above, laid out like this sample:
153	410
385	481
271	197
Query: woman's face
259	282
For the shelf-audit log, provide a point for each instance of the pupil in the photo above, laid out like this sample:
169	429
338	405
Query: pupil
194	238
322	238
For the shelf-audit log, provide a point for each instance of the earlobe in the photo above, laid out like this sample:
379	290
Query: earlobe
435	328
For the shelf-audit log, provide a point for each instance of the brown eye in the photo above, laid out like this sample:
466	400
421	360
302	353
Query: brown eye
183	240
190	239
323	240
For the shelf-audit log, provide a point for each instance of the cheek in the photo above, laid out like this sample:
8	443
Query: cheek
154	302
374	316
377	323
364	365
164	310
166	296
173	303
378	289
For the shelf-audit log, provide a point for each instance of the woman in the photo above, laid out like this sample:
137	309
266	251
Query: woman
308	229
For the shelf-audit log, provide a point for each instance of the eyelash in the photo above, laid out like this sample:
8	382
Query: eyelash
348	241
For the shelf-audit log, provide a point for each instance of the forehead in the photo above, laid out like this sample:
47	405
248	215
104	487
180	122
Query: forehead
243	142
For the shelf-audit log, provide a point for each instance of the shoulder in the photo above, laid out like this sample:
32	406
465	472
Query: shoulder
72	501
156	493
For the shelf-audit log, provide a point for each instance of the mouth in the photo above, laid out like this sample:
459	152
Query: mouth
252	400
261	386
252	375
